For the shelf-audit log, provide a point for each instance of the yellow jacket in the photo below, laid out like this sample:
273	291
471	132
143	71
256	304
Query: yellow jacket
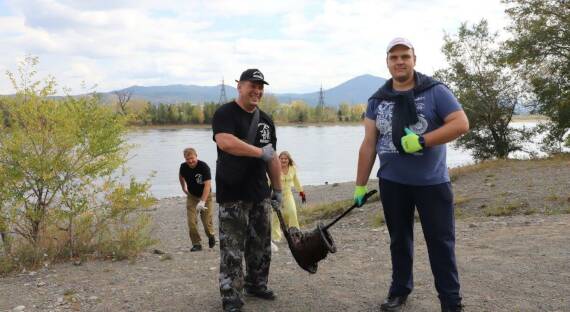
290	180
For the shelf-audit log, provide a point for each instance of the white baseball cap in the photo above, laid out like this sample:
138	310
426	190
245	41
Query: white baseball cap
399	41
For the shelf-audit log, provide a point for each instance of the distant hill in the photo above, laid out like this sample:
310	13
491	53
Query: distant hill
353	91
179	93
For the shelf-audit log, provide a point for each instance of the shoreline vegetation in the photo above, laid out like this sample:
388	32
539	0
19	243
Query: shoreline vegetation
516	118
281	124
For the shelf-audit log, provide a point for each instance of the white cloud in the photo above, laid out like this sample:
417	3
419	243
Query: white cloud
297	44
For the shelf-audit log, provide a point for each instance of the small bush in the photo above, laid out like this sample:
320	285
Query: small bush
460	199
61	166
329	210
378	219
508	209
457	172
458	213
323	211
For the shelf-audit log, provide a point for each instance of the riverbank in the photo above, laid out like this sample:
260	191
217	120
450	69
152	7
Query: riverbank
512	258
281	124
516	118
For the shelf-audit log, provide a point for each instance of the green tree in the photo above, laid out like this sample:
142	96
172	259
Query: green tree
298	112
488	92
144	116
357	112
162	115
59	160
209	110
540	48
197	116
173	116
328	114
344	112
4	214
270	105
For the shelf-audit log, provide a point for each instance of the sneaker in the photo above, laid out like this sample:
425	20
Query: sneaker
393	303
196	248
274	247
211	241
260	292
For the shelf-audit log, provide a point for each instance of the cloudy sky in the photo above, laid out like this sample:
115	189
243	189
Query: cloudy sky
297	44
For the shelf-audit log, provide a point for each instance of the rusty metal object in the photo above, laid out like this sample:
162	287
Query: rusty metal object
308	248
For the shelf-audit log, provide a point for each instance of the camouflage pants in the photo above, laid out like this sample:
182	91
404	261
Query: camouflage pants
245	230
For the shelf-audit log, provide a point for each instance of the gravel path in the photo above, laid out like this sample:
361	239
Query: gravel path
513	263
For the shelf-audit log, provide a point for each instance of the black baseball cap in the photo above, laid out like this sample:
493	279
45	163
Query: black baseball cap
252	74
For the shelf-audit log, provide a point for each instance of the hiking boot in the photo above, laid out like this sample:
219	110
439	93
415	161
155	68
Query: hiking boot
452	308
232	305
393	303
260	292
211	241
196	248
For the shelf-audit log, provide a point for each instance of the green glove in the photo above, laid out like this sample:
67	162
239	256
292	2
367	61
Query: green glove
359	192
411	142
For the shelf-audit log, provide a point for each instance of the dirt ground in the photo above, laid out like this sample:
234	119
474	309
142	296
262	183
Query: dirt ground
512	263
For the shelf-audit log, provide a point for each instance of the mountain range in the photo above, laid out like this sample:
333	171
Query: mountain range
354	91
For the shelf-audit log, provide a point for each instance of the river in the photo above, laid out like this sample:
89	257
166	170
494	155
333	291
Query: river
323	154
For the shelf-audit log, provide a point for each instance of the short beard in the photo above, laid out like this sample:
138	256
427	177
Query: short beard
402	79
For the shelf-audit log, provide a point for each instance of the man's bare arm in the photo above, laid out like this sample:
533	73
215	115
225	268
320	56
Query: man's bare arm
455	124
182	184
367	152
206	191
274	172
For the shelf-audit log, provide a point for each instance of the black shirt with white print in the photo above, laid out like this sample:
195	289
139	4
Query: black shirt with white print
231	118
195	177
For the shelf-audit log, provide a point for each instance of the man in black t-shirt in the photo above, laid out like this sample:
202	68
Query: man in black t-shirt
195	180
243	192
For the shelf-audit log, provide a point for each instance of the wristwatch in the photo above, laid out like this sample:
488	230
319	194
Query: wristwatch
422	141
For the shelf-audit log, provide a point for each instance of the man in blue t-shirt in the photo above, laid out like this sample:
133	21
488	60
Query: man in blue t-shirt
408	121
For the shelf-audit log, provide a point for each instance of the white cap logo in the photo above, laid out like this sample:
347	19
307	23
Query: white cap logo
258	75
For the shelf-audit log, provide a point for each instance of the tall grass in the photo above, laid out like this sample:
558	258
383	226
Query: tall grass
328	210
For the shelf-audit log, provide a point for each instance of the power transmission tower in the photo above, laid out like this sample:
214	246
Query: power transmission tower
321	105
223	99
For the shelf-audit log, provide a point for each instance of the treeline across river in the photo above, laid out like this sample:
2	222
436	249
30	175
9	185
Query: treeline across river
148	114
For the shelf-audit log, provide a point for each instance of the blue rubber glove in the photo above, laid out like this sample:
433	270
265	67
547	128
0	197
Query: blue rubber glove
359	192
411	142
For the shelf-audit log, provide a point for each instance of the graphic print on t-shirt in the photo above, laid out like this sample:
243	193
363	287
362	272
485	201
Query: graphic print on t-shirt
199	178
384	124
265	133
